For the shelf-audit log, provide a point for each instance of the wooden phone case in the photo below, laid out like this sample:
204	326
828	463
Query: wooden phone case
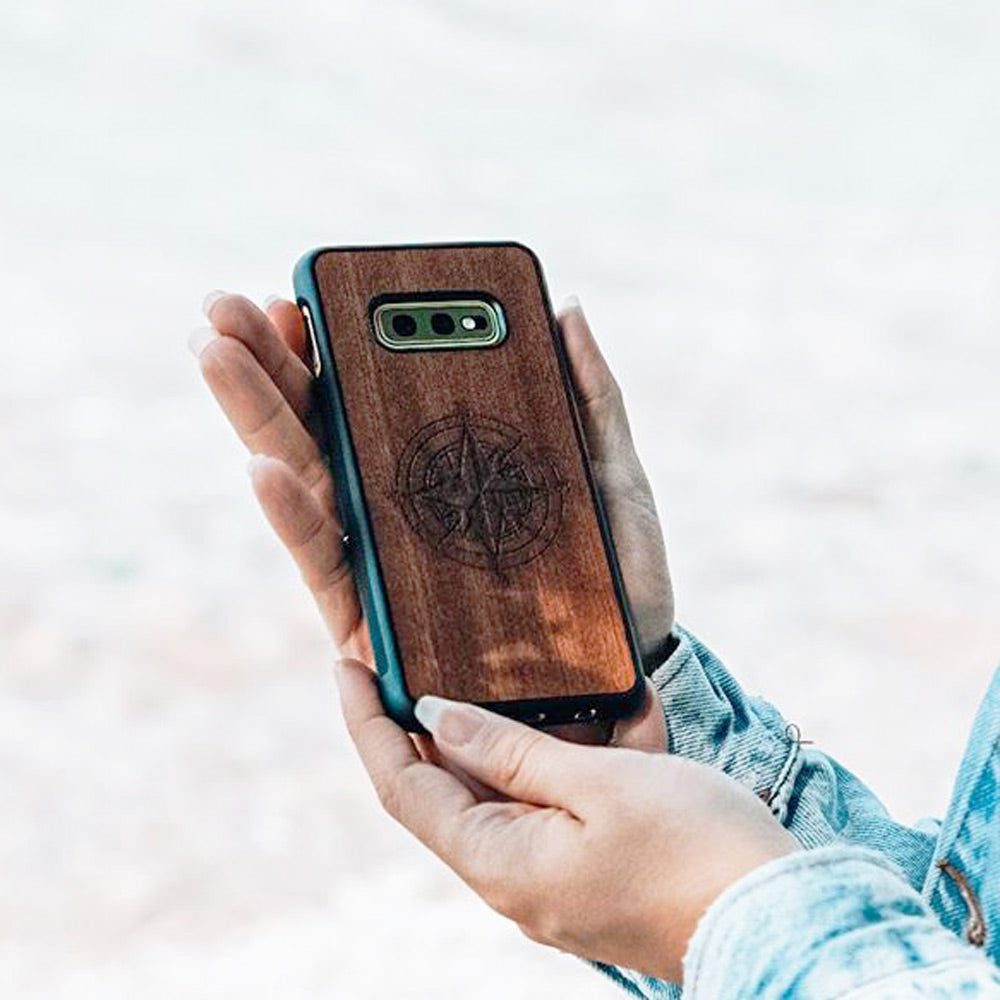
517	602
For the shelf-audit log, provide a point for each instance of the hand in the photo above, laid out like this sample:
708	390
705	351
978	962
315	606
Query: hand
254	362
611	854
621	479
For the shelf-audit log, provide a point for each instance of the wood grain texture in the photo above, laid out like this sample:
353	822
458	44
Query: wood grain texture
466	452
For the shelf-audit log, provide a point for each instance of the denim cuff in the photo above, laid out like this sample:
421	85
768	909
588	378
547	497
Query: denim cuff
710	719
814	925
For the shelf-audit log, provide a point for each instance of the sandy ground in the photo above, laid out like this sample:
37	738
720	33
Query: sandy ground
783	222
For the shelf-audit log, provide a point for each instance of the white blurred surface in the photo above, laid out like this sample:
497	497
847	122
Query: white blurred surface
783	221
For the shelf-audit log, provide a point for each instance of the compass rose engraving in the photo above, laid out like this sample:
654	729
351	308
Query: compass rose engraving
472	488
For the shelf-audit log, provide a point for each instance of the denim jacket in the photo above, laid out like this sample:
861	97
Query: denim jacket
872	909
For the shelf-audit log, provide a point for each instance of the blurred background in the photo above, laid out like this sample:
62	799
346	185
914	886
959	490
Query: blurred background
782	220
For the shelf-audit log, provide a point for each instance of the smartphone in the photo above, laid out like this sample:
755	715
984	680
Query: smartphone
476	534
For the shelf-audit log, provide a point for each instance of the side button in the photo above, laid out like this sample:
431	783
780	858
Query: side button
315	361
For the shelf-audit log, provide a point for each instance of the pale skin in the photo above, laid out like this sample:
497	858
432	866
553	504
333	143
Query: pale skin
609	852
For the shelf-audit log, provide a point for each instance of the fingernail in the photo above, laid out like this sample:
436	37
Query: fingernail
210	300
449	721
199	339
257	462
570	303
271	300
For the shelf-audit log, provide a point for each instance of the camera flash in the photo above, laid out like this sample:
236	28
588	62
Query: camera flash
469	322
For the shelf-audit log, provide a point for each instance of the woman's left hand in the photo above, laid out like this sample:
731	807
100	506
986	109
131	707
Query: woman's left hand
609	853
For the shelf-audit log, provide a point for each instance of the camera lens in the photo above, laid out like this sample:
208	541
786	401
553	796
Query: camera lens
404	324
442	323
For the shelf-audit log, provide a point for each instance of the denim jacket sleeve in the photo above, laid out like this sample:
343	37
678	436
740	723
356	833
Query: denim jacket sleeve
712	720
836	923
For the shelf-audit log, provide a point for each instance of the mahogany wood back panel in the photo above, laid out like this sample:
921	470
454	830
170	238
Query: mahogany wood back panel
490	549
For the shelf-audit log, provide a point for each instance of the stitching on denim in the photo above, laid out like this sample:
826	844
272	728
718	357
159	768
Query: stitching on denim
779	795
955	818
975	927
664	680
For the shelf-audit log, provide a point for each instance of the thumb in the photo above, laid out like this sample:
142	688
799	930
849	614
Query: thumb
506	755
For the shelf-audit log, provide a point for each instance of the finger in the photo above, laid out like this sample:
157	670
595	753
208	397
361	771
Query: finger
426	799
313	536
487	844
513	758
647	729
259	412
598	393
621	480
287	319
429	752
237	317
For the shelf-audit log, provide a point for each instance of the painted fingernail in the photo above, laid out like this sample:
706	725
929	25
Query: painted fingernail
570	303
449	721
272	300
210	300
199	339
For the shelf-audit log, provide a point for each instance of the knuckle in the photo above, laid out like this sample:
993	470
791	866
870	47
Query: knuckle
315	473
224	358
329	577
316	478
514	758
266	420
279	369
211	360
310	531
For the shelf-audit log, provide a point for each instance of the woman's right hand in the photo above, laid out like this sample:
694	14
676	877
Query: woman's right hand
604	852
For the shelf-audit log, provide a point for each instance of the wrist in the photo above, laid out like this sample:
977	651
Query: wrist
735	866
678	905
